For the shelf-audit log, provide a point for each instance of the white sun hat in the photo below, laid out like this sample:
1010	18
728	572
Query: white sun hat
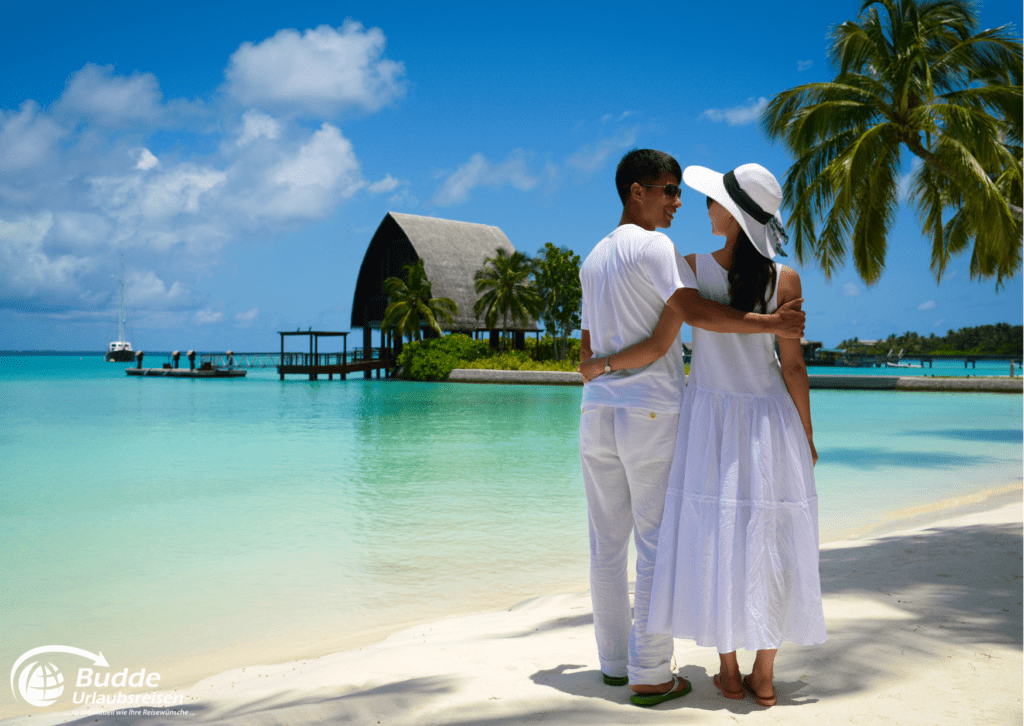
752	195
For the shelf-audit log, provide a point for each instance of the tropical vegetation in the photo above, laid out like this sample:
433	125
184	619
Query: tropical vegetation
999	339
913	76
507	291
434	359
514	290
413	305
557	276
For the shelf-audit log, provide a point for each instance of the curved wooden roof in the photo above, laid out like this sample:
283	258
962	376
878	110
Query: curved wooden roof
451	251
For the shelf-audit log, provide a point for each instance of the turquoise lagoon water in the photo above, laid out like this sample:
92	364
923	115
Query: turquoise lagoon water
198	525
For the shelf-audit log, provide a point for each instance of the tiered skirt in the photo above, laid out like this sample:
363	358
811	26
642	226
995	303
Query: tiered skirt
737	562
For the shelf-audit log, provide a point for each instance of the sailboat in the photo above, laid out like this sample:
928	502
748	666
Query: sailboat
120	350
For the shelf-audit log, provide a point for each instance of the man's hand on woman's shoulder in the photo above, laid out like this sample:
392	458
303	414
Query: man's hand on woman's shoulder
790	319
790	316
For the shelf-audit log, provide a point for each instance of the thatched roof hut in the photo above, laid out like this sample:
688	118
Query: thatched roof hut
451	251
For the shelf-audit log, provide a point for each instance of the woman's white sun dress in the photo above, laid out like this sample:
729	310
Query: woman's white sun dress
737	560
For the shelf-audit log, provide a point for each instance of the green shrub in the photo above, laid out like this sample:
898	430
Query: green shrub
434	359
547	350
519	360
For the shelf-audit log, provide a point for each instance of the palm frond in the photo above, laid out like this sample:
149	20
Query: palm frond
914	74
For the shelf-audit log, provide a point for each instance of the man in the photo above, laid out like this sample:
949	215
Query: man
629	420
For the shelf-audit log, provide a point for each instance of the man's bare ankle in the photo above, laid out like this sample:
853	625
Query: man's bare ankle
652	687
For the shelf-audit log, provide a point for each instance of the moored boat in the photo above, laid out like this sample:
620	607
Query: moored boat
120	350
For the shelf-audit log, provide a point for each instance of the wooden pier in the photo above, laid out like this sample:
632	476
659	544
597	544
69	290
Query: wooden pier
315	364
883	360
166	372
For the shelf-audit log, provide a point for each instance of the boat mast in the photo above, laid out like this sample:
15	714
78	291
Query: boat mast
120	316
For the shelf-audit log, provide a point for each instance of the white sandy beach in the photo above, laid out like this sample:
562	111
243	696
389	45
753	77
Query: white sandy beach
924	628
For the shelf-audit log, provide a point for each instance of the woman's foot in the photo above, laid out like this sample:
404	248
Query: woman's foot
763	692
721	685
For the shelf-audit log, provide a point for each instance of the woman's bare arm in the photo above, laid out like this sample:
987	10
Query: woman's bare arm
794	370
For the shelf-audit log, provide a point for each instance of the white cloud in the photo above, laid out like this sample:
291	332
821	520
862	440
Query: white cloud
27	137
804	65
308	184
851	289
26	270
111	100
248	316
320	72
82	230
608	116
480	172
256	125
930	305
124	196
738	115
146	290
404	199
938	322
591	157
207	316
147	161
89	179
160	208
384	185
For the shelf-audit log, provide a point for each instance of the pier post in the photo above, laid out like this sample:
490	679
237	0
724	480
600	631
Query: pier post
368	347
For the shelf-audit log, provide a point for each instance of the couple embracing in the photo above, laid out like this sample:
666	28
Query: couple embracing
713	476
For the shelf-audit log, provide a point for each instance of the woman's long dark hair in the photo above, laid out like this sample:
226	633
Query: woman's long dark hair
751	276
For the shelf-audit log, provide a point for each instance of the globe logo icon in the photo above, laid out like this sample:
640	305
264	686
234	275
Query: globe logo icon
41	683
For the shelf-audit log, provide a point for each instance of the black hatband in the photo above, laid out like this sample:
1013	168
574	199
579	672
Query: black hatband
743	199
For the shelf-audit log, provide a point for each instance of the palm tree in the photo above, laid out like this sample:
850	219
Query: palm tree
506	290
914	75
557	276
412	304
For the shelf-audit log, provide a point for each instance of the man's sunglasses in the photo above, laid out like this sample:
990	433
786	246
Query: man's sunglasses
671	190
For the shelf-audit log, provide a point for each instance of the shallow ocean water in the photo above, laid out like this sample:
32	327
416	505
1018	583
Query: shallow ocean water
164	521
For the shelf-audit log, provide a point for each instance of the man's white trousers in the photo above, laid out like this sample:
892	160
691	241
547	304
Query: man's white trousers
626	455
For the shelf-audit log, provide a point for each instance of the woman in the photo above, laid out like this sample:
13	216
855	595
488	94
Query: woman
737	559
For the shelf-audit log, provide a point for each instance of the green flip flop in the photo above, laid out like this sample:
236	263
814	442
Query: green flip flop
615	680
653	699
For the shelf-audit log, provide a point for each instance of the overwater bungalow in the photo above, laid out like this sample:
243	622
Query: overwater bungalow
451	251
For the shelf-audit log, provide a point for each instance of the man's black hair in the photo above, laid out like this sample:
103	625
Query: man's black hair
643	166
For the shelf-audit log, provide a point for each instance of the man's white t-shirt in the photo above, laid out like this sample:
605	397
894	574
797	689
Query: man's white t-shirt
626	280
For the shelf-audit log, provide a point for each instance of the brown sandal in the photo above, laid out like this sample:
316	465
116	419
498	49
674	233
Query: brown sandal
734	695
760	701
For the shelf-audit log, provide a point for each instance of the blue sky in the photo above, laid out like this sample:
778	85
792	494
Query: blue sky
241	155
